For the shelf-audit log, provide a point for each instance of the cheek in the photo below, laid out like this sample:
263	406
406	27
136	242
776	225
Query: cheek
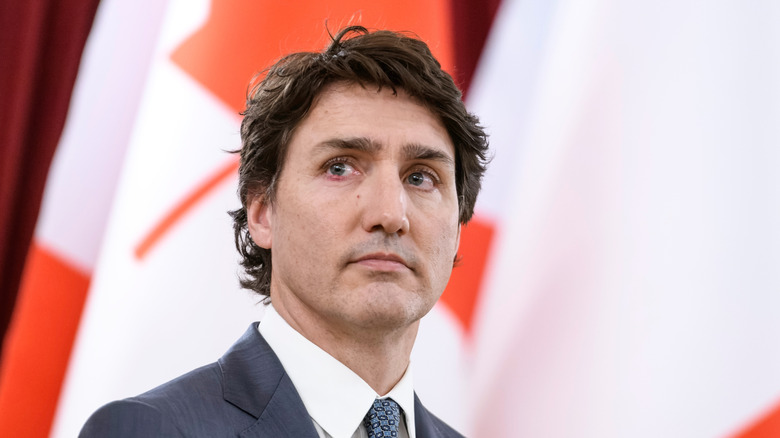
442	246
310	228
303	251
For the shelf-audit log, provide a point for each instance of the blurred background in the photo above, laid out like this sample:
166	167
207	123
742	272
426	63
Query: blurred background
621	277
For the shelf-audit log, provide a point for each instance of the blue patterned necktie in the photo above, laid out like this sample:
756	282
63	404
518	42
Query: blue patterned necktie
383	419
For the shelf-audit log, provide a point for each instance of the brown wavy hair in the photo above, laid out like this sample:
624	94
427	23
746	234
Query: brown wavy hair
280	98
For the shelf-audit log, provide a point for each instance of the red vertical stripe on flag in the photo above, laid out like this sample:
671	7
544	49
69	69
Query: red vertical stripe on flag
462	290
39	343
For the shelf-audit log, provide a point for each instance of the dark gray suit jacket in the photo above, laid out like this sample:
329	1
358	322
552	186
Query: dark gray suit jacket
246	393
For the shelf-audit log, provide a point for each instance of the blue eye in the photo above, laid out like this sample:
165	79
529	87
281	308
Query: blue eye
338	169
416	179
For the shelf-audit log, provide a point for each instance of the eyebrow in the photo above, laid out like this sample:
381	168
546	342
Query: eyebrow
411	151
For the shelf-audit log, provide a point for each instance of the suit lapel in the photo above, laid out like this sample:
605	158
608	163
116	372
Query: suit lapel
255	381
423	424
283	416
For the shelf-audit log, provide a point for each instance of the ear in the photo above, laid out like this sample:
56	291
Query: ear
455	257
457	239
259	215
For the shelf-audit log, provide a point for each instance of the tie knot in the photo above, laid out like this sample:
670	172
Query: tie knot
383	418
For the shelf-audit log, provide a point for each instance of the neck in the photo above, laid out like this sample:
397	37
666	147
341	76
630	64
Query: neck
380	361
379	355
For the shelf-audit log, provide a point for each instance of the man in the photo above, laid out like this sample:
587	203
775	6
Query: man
358	166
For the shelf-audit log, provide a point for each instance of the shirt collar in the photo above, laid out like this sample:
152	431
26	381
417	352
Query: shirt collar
335	397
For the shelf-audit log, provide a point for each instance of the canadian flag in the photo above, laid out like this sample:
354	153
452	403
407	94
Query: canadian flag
620	277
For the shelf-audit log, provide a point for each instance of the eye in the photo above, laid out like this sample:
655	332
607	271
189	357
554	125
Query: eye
416	179
421	179
338	169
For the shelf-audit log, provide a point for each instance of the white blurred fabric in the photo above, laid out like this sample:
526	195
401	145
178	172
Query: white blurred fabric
636	189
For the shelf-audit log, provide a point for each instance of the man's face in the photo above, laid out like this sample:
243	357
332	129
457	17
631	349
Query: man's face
364	226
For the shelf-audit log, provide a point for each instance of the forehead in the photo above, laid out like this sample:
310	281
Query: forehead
392	121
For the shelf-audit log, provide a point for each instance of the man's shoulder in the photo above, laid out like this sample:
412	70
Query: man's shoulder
201	402
180	407
187	393
129	418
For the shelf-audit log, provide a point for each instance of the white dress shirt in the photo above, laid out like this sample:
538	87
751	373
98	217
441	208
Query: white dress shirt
336	398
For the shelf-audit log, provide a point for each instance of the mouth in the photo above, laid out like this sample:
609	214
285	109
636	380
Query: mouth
381	261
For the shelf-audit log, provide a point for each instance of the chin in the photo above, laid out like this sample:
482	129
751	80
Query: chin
391	306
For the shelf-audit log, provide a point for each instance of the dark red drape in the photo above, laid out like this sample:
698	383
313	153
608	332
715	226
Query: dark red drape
471	22
41	42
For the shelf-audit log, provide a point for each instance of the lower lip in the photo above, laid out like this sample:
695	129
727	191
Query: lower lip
382	265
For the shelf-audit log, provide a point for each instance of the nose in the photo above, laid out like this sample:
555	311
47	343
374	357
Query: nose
384	205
